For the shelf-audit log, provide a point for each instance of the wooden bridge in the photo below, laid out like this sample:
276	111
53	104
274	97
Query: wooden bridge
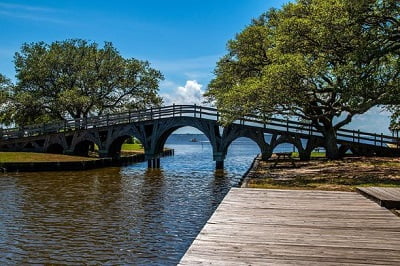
153	126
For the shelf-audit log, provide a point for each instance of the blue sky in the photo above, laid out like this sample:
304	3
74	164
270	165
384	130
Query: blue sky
182	38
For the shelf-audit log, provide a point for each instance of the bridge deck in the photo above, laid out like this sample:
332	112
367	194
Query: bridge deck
258	227
388	197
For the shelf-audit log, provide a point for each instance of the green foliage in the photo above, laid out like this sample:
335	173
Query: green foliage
76	78
5	97
318	60
132	140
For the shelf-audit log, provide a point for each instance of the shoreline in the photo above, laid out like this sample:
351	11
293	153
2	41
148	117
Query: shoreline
249	173
76	165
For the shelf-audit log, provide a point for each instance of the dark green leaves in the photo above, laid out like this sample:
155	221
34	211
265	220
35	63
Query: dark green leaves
76	78
318	60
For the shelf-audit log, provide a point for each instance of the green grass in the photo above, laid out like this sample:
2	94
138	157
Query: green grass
132	147
343	175
23	157
314	154
26	157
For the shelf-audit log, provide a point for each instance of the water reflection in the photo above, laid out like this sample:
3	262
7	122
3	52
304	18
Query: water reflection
127	215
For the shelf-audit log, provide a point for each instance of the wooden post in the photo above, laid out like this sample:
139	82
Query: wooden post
381	139
153	163
219	165
264	121
173	110
287	124
358	136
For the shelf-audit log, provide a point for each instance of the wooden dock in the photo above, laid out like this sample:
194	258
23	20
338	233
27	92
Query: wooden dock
388	197
289	227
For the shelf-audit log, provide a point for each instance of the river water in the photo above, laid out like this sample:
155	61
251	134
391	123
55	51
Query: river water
118	215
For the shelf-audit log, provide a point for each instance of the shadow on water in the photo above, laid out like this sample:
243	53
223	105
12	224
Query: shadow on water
127	215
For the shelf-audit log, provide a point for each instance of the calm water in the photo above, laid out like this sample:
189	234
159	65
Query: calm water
127	215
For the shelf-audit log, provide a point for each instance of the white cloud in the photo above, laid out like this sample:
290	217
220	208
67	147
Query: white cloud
31	12
191	93
25	7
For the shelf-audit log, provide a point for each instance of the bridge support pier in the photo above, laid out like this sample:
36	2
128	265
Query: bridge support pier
219	158
219	165
153	163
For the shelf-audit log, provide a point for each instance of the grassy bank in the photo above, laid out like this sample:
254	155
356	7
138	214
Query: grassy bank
344	175
23	157
314	154
132	148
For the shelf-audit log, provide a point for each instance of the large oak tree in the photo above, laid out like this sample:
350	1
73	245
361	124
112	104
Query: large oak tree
319	60
75	78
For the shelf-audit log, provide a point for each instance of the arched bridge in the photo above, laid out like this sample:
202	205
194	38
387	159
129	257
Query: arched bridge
153	126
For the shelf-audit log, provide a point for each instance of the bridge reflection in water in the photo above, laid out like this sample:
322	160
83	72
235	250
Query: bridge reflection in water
153	127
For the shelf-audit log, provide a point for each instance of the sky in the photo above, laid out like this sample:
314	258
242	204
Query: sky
182	38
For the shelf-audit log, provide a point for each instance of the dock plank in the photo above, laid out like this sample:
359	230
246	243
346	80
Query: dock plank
388	197
286	227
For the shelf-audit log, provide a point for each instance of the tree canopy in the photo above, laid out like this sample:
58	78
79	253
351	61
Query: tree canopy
318	60
5	91
75	78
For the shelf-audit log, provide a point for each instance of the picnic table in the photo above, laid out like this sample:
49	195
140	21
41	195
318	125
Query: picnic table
283	156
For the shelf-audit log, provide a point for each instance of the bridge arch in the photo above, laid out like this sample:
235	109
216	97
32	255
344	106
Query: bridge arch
234	132
118	137
263	147
167	132
55	148
83	143
286	139
83	147
55	144
161	129
297	141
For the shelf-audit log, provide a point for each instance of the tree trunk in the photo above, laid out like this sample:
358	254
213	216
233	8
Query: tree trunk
304	155
332	150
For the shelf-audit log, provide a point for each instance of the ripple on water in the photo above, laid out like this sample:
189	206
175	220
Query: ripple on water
126	215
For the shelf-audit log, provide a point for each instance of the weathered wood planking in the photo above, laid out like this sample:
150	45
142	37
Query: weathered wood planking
388	197
293	227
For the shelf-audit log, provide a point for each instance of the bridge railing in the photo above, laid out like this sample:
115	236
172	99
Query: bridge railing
272	124
345	135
